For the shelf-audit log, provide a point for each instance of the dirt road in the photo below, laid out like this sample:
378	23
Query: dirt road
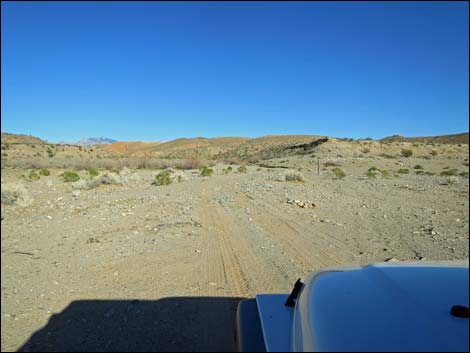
141	267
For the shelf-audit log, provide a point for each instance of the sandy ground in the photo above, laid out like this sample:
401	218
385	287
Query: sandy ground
143	267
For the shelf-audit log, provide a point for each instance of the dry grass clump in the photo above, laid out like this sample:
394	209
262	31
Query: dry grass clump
15	193
293	175
86	163
331	164
108	178
449	172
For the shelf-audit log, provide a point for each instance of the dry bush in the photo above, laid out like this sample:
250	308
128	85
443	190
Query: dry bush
453	180
191	164
331	164
15	193
406	153
294	175
108	178
339	173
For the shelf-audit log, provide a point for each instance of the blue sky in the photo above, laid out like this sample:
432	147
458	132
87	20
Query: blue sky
159	71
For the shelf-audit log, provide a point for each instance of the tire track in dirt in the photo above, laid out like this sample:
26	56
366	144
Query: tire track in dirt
319	250
311	252
230	256
318	238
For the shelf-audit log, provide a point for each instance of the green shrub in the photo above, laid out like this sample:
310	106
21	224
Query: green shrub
373	169
205	171
406	153
50	152
70	176
227	170
449	172
45	172
464	174
33	175
339	173
371	174
163	178
430	173
242	169
420	172
417	166
93	172
385	173
403	171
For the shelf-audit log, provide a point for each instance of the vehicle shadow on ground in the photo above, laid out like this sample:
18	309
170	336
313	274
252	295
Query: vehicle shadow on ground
168	324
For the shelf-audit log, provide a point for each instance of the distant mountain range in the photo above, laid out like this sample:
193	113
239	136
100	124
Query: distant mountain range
90	141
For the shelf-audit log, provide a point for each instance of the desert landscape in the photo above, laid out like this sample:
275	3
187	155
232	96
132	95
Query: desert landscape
151	245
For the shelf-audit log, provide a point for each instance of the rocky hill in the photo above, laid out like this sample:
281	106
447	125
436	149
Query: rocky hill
443	139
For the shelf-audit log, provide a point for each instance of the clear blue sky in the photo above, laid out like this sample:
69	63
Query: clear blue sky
158	71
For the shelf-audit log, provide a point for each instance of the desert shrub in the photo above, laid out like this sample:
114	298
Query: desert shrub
417	166
403	171
294	175
93	173
433	153
192	163
449	172
420	172
388	156
430	173
50	152
242	169
163	178
111	178
371	174
331	164
227	170
365	150
70	176
33	176
339	173
385	173
452	180
406	153
205	171
372	169
86	184
464	174
108	178
15	193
